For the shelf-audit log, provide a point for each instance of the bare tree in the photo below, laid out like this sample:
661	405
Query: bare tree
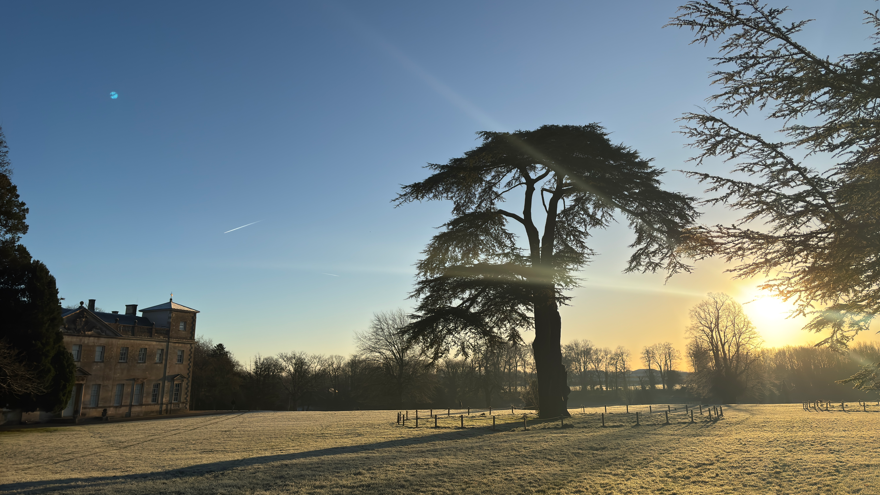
665	356
721	328
403	369
598	364
576	356
300	376
16	377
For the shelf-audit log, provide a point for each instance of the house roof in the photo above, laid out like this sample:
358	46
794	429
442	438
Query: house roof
124	319
172	306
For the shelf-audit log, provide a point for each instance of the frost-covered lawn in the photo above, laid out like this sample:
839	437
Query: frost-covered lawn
753	449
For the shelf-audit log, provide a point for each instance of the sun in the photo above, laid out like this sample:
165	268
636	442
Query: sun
770	315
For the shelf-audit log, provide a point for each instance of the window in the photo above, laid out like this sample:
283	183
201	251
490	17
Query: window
180	356
160	353
182	326
154	397
138	394
117	394
123	355
176	396
142	355
99	353
95	396
77	352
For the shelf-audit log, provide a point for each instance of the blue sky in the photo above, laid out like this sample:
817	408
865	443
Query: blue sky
307	117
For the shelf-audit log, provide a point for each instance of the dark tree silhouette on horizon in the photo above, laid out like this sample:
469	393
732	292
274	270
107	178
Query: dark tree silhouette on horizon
476	283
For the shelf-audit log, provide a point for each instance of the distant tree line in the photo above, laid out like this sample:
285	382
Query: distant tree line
387	373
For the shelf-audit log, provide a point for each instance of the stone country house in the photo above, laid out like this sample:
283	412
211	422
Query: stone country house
130	365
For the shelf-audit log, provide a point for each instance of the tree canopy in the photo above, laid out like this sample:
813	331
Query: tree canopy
821	242
479	281
34	347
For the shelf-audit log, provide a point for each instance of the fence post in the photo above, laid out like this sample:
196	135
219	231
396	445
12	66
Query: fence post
469	411
667	417
462	420
603	420
490	410
686	410
843	406
583	409
493	423
721	410
627	408
692	416
525	423
511	410
398	417
417	420
407	414
562	422
432	412
650	410
637	418
710	414
606	408
435	421
701	409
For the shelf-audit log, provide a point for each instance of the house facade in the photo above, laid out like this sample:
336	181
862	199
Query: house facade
130	365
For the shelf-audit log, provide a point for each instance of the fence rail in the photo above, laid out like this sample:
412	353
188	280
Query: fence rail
602	416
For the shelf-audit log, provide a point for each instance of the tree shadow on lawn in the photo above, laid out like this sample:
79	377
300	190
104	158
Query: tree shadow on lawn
48	486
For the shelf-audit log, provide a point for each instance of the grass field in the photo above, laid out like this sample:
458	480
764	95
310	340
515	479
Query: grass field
752	449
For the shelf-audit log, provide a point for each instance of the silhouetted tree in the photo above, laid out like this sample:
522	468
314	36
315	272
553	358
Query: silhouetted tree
822	231
664	356
217	377
263	383
576	356
300	378
723	348
31	310
477	283
403	371
16	377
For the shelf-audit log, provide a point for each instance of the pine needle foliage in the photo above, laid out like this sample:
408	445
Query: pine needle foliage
820	244
480	281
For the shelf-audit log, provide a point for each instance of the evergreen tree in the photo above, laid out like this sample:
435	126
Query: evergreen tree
30	307
821	234
476	283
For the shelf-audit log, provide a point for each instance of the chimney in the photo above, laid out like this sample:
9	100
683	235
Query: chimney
91	305
131	309
115	312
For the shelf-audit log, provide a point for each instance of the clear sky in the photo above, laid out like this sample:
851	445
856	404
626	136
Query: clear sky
306	117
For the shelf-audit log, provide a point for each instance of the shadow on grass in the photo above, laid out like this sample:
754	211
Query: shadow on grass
51	486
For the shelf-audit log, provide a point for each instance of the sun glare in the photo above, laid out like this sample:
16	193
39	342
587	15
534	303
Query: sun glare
770	316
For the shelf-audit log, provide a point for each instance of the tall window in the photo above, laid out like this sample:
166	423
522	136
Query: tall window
160	353
154	397
95	395
118	393
176	396
138	394
99	353
182	326
180	356
142	355
77	352
123	355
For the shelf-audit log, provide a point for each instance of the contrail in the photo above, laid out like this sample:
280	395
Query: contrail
243	226
330	274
